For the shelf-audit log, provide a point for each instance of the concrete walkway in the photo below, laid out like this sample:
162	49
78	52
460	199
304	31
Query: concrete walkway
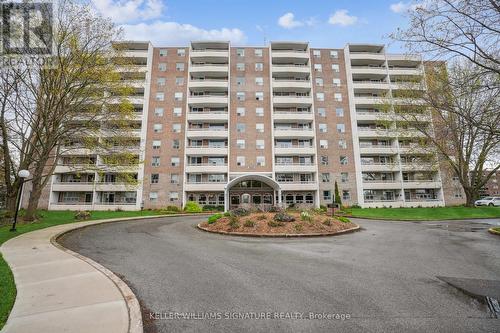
61	291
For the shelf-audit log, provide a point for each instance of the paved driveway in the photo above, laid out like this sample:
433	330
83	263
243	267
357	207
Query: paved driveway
383	278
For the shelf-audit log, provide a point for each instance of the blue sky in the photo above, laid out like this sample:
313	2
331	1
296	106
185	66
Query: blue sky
324	23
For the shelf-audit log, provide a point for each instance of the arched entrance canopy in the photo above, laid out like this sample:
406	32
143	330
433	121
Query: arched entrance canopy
266	180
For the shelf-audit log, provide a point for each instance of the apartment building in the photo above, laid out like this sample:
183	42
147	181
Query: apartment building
271	125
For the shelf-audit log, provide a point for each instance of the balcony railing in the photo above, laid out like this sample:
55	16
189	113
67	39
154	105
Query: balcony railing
207	129
290	65
292	129
208	65
385	181
206	146
209	50
207	164
207	182
295	163
292	146
364	145
284	181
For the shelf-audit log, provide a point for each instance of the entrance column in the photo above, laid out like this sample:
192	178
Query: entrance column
226	199
279	197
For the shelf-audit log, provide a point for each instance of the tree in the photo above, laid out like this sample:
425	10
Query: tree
464	132
68	101
337	199
447	29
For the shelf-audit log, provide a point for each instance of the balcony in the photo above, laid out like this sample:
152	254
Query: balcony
375	116
379	184
207	132
367	56
364	132
374	167
212	83
294	167
208	100
369	70
406	71
204	186
290	133
290	54
208	53
206	150
418	166
115	186
134	54
292	115
421	184
299	186
209	68
206	168
303	84
72	186
294	150
208	116
370	100
290	68
370	85
378	149
292	100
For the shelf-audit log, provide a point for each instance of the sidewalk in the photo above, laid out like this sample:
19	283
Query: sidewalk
60	291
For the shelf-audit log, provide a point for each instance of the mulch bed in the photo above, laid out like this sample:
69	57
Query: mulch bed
261	225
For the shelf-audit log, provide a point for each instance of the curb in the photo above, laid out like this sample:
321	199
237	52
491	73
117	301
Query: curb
386	219
493	231
243	234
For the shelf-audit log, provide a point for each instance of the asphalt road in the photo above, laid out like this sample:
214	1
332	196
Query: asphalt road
383	278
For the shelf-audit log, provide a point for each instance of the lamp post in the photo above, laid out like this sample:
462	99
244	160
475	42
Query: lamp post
22	175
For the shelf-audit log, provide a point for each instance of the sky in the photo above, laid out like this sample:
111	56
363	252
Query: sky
324	23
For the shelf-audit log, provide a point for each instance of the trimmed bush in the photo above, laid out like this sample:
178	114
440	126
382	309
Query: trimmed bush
240	212
219	208
249	224
343	219
283	217
82	215
212	219
227	214
274	224
172	208
234	222
192	207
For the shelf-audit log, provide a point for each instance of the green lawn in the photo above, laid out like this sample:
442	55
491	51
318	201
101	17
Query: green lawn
426	214
48	219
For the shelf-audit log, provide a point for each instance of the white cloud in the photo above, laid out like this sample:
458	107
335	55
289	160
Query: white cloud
341	17
173	33
287	21
121	11
402	7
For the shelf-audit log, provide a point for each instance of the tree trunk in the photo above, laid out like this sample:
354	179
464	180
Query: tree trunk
470	197
34	198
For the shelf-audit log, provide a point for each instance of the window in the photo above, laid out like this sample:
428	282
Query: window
259	112
341	128
240	95
177	112
344	177
317	53
240	67
175	161
258	52
155	161
259	81
181	52
155	178
162	66
240	52
346	195
240	160
323	144
325	177
334	54
319	81
240	128
261	160
327	195
179	81
179	67
156	144
159	112
178	96
259	144
176	128
336	68
174	178
259	127
163	52
160	97
174	196
157	128
240	143
343	160
321	112
324	160
176	144
240	111
259	67
320	97
342	144
259	95
323	128
153	196
240	81
318	68
339	112
337	97
161	81
336	82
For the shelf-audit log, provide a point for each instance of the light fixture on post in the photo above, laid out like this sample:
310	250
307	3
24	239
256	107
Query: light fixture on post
23	174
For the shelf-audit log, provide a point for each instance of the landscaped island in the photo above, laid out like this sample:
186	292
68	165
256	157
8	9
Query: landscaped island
277	223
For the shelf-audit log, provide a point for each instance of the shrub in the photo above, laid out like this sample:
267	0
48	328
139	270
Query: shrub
234	222
172	208
305	216
212	219
249	224
327	222
118	209
227	214
261	217
355	206
219	208
82	215
322	208
274	224
343	219
240	212
298	227
192	207
274	209
283	217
